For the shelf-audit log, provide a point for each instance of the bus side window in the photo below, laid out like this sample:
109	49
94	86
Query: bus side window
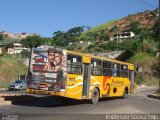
107	68
74	64
96	67
116	69
124	71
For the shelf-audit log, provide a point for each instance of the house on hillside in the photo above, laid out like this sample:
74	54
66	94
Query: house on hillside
7	34
80	43
10	51
123	35
16	36
0	51
16	48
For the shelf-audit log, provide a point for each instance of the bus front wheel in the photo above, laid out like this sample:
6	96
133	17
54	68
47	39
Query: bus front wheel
95	96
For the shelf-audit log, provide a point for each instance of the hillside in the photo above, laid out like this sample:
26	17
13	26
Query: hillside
144	20
10	69
149	64
139	50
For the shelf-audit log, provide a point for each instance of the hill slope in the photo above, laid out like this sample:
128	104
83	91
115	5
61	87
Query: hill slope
10	69
149	64
145	20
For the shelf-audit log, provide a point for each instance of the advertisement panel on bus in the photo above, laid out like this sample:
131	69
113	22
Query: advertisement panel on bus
48	69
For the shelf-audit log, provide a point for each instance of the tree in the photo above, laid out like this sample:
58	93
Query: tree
135	28
32	41
156	31
59	38
48	41
104	37
72	34
1	37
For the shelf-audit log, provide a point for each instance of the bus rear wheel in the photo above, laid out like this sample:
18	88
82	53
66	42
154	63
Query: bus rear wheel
95	96
124	94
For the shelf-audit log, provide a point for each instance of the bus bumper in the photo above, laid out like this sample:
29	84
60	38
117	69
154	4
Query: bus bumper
45	92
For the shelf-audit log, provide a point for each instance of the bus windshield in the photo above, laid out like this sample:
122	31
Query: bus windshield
48	69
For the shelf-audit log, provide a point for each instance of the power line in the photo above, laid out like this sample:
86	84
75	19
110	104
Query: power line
140	1
147	4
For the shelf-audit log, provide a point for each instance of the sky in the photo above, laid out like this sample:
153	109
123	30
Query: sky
45	17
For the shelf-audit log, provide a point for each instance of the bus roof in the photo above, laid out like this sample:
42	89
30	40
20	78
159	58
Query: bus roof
97	57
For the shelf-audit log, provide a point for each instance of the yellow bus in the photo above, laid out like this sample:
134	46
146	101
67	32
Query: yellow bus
78	76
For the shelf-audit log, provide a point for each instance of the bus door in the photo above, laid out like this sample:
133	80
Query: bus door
132	81
86	80
117	82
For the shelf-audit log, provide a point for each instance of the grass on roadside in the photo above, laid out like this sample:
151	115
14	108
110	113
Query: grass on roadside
10	68
3	84
148	73
141	58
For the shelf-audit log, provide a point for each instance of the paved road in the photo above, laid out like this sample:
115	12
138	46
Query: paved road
22	92
12	92
48	107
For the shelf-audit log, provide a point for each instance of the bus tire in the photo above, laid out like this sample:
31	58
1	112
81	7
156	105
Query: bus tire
95	96
124	94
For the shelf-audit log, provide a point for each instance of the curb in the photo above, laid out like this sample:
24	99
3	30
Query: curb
155	96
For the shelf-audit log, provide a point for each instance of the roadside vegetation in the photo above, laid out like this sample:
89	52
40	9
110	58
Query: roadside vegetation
149	64
10	68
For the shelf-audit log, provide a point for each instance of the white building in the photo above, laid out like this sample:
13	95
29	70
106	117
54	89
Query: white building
7	34
123	35
80	43
16	36
0	51
17	48
10	51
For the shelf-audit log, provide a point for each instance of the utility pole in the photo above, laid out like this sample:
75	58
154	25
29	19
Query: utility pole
159	40
29	66
117	41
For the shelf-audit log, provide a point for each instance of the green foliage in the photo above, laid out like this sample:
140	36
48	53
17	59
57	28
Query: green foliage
48	41
148	63
61	38
156	31
3	84
113	28
8	45
103	36
10	68
94	33
149	46
1	37
110	46
32	41
101	27
91	36
3	51
141	58
8	41
135	28
129	45
25	54
98	49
